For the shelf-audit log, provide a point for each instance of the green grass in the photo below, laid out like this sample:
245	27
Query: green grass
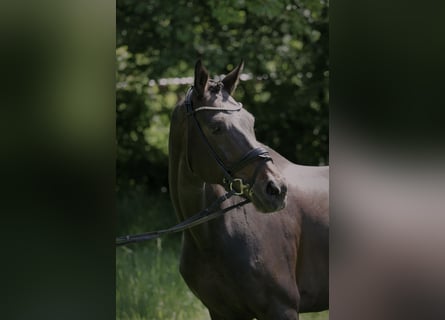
148	283
149	286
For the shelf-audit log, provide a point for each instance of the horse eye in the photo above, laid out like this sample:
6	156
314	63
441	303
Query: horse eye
216	129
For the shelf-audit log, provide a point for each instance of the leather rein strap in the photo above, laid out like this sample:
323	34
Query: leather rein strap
210	213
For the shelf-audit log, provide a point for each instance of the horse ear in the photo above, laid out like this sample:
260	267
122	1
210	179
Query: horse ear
231	80
201	77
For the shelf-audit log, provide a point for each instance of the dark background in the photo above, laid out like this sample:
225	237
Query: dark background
59	155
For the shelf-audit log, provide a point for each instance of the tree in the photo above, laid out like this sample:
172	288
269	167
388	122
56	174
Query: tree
284	45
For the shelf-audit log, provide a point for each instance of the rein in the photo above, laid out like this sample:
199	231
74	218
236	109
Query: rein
210	213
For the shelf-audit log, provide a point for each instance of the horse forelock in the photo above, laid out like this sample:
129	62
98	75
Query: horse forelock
215	86
218	97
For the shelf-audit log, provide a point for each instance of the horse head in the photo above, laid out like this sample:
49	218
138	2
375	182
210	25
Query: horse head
221	143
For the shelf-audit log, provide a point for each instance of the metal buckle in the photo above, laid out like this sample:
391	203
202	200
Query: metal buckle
242	187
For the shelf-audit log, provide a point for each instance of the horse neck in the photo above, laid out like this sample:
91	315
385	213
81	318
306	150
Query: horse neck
186	189
188	192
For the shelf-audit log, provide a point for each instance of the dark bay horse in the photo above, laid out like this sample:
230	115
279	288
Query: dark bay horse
269	258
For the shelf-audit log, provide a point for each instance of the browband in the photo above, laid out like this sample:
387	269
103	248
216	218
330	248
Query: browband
190	110
239	107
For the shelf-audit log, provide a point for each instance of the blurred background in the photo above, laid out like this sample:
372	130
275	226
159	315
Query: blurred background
61	211
284	84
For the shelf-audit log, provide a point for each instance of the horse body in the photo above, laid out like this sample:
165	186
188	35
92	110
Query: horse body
248	264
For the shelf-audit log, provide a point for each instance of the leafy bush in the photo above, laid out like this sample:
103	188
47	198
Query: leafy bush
285	47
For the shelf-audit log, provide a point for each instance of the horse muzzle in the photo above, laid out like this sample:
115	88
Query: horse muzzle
270	195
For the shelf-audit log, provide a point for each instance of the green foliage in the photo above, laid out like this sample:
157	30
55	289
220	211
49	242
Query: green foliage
148	285
284	45
141	210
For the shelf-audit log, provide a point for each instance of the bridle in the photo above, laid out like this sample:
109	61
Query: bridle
230	182
234	186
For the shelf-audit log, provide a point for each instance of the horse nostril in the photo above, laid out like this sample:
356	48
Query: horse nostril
272	189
